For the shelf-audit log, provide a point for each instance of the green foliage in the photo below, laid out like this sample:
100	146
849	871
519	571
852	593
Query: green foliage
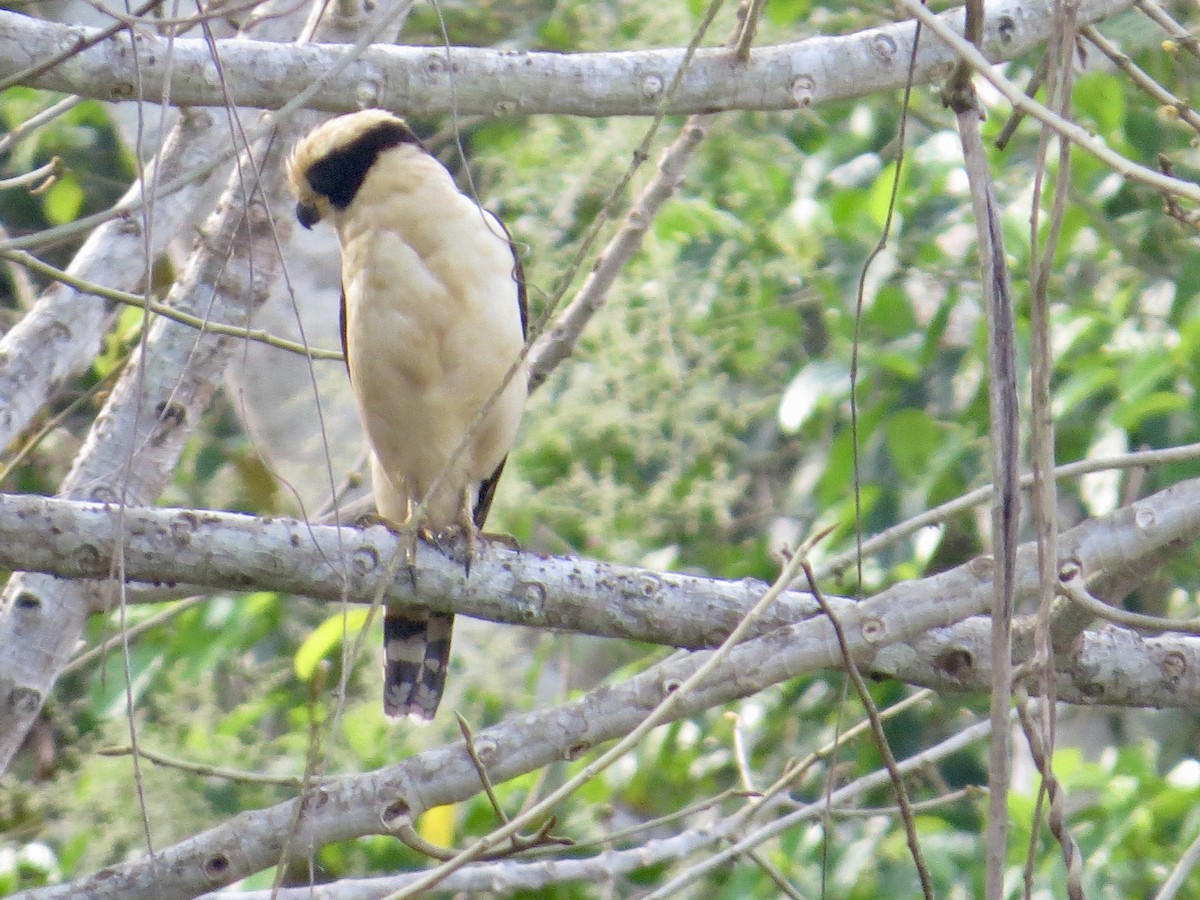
97	167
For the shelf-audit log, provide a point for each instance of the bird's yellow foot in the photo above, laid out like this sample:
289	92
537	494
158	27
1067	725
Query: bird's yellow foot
406	533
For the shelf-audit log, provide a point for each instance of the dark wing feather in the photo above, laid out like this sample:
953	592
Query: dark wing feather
487	492
342	326
518	277
487	489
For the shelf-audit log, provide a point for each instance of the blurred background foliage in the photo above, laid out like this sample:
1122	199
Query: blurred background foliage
701	425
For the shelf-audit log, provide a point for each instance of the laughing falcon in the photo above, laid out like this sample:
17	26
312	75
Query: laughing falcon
433	320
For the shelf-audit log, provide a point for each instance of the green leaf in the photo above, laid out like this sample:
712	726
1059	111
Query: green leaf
1132	414
1081	388
912	438
891	313
880	197
1101	98
787	12
898	363
815	385
63	201
326	637
681	221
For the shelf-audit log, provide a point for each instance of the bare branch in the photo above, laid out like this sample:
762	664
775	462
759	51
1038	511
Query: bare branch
1090	143
1183	868
1142	78
240	552
808	811
417	80
132	449
1004	428
560	338
944	511
382	801
508	877
201	323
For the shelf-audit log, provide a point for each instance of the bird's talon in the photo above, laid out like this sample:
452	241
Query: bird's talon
458	543
370	520
505	540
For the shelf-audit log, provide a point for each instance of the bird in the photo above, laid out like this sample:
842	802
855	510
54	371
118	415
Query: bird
433	323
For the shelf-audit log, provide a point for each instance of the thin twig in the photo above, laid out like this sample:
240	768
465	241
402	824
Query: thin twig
1183	868
168	312
43	177
469	738
607	839
1067	130
1141	78
1017	116
1004	428
1072	585
748	14
1178	33
204	769
774	874
37	120
881	741
1072	857
970	792
133	631
1059	79
937	515
740	758
809	811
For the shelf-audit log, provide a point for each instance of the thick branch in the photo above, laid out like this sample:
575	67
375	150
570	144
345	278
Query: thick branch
509	876
479	81
387	799
240	552
232	551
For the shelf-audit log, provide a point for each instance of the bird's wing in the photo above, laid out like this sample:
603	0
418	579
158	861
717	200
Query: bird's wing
487	489
518	277
342	326
487	492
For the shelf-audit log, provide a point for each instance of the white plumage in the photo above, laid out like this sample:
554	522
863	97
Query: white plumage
433	323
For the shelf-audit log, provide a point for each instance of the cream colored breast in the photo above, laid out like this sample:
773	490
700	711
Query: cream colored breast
433	325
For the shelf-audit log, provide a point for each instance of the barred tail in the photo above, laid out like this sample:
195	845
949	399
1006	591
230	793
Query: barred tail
416	654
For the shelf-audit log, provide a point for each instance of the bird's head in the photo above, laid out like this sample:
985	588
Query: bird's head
328	165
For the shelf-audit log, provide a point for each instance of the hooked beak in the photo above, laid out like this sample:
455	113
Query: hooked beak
308	214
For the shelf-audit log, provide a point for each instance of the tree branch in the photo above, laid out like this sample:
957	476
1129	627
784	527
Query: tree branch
497	879
480	81
60	336
233	551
